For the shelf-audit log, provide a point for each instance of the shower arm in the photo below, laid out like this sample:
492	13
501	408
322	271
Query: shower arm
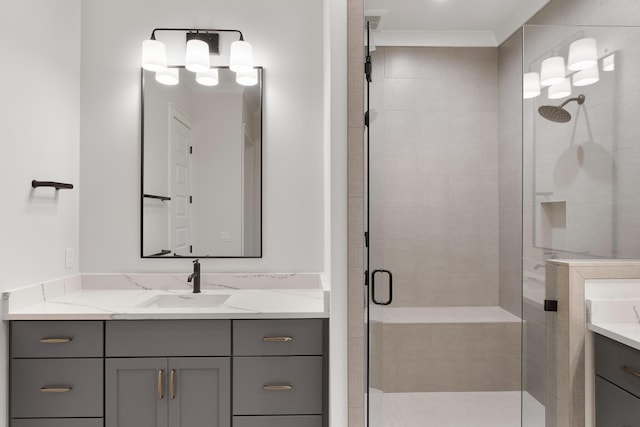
579	99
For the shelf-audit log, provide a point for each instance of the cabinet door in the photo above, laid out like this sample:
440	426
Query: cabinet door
136	392
199	392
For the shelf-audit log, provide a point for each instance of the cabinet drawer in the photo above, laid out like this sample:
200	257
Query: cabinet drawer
616	362
56	338
31	378
57	422
148	338
277	385
297	337
275	421
614	406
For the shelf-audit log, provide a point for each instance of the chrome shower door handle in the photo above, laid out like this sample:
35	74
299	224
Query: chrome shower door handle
373	287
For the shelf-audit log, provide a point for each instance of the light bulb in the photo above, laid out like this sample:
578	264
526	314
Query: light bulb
208	78
197	57
241	56
154	55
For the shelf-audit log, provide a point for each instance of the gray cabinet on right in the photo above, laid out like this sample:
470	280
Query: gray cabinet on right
280	373
617	369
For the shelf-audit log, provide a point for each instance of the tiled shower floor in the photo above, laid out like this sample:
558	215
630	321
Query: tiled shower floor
478	409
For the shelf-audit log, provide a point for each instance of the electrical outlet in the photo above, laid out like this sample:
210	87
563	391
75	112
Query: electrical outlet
68	258
225	236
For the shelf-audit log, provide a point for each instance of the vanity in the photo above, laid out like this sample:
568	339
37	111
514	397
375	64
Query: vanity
617	368
615	324
151	363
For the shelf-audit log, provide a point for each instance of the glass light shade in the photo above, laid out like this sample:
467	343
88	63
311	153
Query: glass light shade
560	90
609	63
197	57
154	55
208	78
241	56
530	85
583	54
552	71
586	77
168	76
247	78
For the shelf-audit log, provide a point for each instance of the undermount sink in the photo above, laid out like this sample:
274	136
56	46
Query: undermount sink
185	301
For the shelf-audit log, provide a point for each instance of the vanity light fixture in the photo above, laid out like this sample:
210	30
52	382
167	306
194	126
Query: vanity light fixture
586	77
197	56
583	54
247	78
201	43
530	85
168	76
208	78
154	55
560	90
609	62
552	71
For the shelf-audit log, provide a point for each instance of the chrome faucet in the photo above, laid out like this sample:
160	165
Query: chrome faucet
195	276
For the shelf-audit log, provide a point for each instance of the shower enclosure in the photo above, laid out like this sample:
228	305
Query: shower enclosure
580	171
471	188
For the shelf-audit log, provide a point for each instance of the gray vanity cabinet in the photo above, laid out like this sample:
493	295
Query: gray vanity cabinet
617	369
170	373
279	373
160	373
56	373
167	392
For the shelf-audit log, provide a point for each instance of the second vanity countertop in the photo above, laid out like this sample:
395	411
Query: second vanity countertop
616	319
166	296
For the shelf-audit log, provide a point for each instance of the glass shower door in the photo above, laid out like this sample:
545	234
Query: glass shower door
378	280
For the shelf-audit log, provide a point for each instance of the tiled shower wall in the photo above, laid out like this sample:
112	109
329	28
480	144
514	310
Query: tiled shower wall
434	174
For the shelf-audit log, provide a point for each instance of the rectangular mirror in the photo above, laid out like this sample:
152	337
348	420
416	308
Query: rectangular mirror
201	167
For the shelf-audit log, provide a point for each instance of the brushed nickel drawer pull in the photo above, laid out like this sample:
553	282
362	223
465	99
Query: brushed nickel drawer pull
55	389
278	387
172	384
160	385
55	340
631	372
277	339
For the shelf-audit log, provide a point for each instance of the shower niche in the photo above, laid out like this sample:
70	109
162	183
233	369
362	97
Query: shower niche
551	231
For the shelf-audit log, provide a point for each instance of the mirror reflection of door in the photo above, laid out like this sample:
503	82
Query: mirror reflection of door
180	184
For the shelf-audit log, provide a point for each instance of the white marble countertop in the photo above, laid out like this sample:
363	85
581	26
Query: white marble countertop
618	319
128	296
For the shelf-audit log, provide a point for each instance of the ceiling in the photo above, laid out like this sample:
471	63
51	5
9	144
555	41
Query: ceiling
449	22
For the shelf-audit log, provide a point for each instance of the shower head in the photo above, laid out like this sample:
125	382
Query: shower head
559	114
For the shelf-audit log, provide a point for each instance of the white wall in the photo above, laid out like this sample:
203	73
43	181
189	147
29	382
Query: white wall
290	51
40	110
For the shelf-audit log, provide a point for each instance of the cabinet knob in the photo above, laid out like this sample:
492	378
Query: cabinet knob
278	387
277	339
53	340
